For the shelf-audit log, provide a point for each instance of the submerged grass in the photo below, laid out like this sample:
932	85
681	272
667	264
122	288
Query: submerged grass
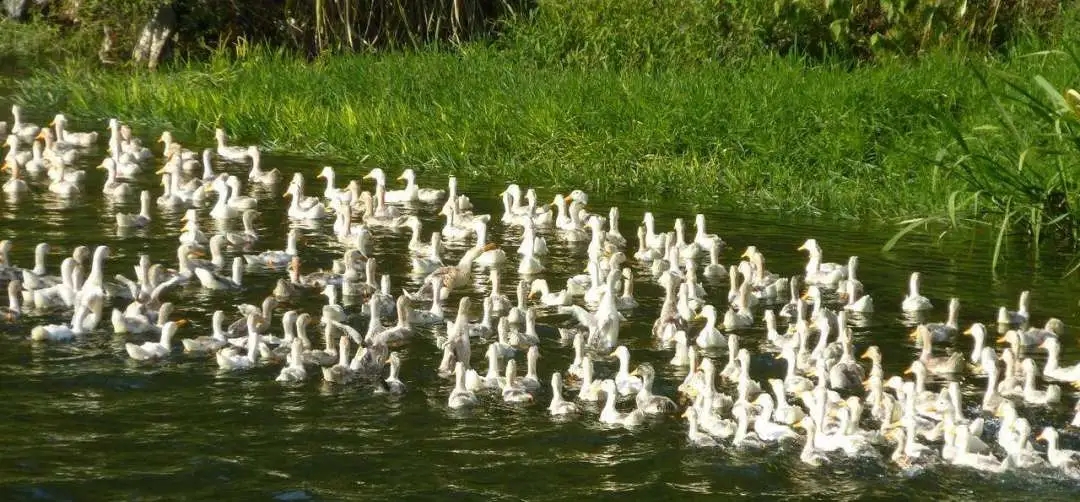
775	135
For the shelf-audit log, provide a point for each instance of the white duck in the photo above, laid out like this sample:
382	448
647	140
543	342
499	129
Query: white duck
155	350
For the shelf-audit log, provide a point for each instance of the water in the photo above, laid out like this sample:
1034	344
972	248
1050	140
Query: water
85	422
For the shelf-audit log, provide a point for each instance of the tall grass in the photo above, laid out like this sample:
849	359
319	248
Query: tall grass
1020	165
774	135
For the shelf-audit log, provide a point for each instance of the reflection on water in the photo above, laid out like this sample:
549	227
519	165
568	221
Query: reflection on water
87	422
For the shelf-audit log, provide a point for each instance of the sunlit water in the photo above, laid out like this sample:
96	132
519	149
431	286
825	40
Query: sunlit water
85	422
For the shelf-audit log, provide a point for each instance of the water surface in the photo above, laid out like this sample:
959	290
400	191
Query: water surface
85	422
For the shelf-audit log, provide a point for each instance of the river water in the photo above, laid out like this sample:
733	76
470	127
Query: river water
84	422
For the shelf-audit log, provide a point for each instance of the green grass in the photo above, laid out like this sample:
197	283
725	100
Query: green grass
774	135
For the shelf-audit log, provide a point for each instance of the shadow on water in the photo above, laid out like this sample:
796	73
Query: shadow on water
86	422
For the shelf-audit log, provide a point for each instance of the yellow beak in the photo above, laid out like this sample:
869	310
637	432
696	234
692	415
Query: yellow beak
181	322
52	123
802	248
908	371
1002	339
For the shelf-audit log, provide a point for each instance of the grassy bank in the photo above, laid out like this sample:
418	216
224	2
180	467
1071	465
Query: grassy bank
774	135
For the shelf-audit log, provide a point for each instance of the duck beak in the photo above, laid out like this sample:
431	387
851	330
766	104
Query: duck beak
52	123
568	198
400	177
967	331
914	334
908	371
181	322
802	248
368	176
161	139
41	136
865	355
1002	339
490	246
4	167
1040	437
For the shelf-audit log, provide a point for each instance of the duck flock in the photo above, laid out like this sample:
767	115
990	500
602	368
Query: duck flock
829	400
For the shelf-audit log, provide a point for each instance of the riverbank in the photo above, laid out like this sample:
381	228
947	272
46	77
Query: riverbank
774	134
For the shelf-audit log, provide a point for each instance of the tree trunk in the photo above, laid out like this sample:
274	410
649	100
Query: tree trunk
156	35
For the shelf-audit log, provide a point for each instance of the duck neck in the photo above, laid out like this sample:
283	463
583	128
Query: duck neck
290	244
609	403
1051	359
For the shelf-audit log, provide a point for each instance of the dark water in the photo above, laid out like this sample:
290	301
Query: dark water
85	422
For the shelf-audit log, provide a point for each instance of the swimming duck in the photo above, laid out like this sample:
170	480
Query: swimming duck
155	350
709	336
609	415
298	209
24	131
559	406
626	383
915	302
80	139
61	332
460	397
818	272
693	432
217	338
340	373
228	152
257	174
294	371
413	193
857	304
1016	318
539	288
460	275
136	220
15	185
273	258
648	402
1051	395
